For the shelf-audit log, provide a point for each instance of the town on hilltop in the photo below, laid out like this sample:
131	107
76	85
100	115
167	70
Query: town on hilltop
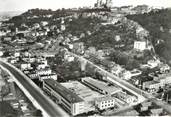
100	61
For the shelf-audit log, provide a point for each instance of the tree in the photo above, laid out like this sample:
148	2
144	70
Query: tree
4	91
38	113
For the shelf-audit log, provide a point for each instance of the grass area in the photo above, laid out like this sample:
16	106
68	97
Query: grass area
8	111
158	23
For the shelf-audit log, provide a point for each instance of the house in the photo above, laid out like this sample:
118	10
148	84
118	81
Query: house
164	68
16	54
25	65
44	71
48	76
69	58
29	59
13	60
44	23
156	111
163	79
145	106
125	74
140	45
7	39
151	86
1	53
116	69
141	32
117	38
153	63
78	47
41	65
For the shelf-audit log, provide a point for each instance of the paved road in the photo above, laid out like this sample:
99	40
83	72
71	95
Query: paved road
140	93
51	108
114	78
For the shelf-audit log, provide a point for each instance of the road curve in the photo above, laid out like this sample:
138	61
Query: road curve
52	109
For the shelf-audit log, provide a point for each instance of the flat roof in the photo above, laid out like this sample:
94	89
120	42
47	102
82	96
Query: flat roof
102	85
64	92
82	91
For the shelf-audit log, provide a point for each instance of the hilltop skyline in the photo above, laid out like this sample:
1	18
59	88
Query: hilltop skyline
24	5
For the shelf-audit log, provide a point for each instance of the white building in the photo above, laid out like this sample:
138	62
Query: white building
45	71
48	76
153	63
164	68
87	94
69	100
140	45
105	102
126	75
25	65
1	53
151	86
126	97
44	23
16	54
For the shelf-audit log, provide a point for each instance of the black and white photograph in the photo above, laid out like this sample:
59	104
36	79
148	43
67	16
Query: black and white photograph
85	58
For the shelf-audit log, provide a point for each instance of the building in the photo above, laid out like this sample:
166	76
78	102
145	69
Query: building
16	54
163	79
69	100
126	74
164	68
41	66
45	71
140	45
116	69
145	106
151	86
105	102
126	97
1	53
88	95
109	3
78	48
153	63
48	76
25	65
101	86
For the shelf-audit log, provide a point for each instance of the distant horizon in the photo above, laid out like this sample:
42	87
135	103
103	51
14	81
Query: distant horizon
25	5
74	7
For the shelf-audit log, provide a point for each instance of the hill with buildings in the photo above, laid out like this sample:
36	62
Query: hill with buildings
158	23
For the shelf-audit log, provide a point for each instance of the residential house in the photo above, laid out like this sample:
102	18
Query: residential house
140	45
48	76
151	86
25	65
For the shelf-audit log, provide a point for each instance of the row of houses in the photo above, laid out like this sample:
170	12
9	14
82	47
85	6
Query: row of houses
33	66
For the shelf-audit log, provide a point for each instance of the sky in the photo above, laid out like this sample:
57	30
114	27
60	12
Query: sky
24	5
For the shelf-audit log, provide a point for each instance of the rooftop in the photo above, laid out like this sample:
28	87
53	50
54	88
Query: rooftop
81	90
64	92
102	85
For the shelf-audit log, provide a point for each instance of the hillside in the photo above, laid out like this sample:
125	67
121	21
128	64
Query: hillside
158	23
